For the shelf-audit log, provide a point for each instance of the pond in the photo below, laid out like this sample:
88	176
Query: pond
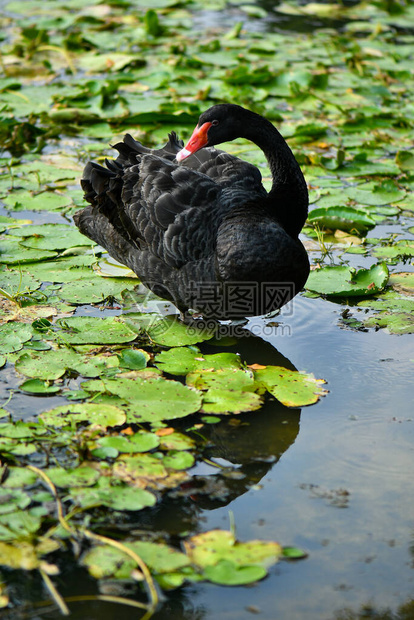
320	460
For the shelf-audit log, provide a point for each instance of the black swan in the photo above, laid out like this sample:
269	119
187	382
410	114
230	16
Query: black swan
195	223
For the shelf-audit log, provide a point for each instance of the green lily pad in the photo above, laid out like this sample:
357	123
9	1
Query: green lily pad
134	359
226	573
14	282
151	400
394	322
19	525
107	562
53	364
46	201
401	249
402	282
13	336
12	499
12	252
52	237
182	360
118	497
92	330
226	390
171	332
342	218
89	291
64	269
292	388
95	414
78	477
140	442
343	281
209	548
179	460
36	386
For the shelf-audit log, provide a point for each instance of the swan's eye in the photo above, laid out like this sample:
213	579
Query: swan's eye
214	123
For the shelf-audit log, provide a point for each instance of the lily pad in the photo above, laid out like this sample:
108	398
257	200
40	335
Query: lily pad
92	330
182	360
209	548
107	561
226	573
342	218
118	497
13	336
52	237
80	476
151	400
401	249
226	390
36	386
292	388
343	281
139	442
53	364
95	414
89	291
171	332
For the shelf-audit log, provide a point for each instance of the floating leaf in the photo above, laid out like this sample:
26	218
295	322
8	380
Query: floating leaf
342	218
182	360
53	364
401	249
226	573
290	387
36	386
151	400
171	332
117	497
96	414
52	237
395	322
139	442
344	281
209	548
107	561
80	476
89	292
134	359
92	330
226	390
13	336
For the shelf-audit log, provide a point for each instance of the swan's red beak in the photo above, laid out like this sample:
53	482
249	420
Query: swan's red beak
196	142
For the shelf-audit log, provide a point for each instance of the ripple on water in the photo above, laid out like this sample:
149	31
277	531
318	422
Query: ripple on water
368	447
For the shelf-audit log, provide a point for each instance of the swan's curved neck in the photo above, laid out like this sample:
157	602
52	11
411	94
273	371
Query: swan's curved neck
288	197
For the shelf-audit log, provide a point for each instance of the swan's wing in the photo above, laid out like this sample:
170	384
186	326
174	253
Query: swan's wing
130	150
155	206
225	169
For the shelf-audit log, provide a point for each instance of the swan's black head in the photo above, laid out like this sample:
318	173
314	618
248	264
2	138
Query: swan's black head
221	123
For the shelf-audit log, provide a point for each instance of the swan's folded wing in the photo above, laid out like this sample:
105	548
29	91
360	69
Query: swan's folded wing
171	209
226	169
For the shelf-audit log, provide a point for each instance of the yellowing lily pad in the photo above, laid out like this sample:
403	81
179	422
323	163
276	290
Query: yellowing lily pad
209	548
292	388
